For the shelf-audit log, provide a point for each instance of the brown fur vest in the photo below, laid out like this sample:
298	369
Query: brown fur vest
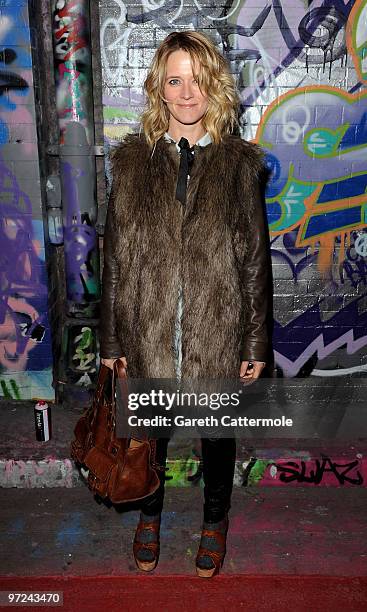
205	244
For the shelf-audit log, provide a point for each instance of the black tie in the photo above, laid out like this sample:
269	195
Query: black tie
186	159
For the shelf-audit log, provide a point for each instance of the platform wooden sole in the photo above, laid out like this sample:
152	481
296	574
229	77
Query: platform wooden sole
146	566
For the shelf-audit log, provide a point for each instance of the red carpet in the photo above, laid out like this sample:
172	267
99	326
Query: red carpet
183	593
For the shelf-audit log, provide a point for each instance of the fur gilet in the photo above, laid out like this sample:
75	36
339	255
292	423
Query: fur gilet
204	244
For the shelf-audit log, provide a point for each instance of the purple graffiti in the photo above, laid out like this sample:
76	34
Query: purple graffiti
298	138
308	335
285	256
80	243
21	326
304	41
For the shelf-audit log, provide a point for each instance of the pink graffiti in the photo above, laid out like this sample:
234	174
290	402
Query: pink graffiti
21	326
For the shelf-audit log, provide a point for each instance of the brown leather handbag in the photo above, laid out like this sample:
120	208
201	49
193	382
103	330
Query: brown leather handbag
116	470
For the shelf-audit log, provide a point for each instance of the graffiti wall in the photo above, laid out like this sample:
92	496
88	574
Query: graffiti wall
25	342
291	471
301	68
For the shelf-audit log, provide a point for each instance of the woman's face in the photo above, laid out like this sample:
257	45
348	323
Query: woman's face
185	102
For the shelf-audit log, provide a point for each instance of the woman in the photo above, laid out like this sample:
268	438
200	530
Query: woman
185	273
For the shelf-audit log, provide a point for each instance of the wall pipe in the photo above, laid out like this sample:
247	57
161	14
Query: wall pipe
74	99
73	222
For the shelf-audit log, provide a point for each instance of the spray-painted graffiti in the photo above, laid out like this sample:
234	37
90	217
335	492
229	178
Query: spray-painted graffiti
70	28
292	44
81	256
183	472
10	81
71	106
324	471
357	38
319	173
73	64
266	40
21	324
73	75
316	142
252	471
300	68
354	266
10	390
25	351
84	357
285	472
342	472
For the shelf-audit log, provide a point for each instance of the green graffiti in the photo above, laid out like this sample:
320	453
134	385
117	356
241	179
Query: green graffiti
292	203
110	113
257	472
318	186
84	341
179	470
323	142
10	394
357	37
73	101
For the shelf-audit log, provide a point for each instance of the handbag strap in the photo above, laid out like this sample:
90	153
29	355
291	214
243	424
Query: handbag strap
118	373
120	377
103	376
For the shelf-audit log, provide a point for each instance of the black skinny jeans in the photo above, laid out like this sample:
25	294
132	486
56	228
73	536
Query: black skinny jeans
219	456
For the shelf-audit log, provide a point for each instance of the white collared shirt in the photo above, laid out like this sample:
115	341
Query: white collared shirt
202	142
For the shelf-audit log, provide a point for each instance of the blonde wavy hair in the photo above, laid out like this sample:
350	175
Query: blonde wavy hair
214	80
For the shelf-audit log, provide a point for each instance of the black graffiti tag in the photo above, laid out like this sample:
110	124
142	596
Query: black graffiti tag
10	80
354	265
291	471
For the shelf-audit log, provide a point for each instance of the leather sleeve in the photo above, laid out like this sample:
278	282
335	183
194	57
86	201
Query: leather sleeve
109	344
256	285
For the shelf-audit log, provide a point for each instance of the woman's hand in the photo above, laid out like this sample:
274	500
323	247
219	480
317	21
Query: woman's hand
251	370
109	362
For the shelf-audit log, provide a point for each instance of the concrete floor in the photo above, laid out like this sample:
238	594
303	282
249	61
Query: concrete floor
280	531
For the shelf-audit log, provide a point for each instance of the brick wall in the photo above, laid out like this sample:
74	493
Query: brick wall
301	70
25	339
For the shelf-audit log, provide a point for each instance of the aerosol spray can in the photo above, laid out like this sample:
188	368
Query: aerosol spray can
42	418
